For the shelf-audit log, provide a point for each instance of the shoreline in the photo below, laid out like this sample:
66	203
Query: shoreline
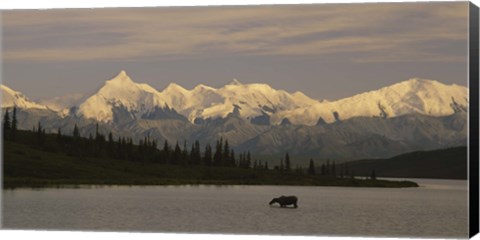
355	183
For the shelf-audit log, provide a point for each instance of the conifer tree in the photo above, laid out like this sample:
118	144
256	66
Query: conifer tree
40	133
166	152
232	158
14	123
226	154
176	154
217	157
59	136
185	153
208	155
197	156
333	171
6	122
192	155
76	133
311	167
327	168
110	143
129	144
323	170
287	162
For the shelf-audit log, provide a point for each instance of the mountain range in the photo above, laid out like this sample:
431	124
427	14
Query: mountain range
416	114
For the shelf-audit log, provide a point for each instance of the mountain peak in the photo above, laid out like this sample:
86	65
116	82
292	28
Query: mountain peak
121	77
174	86
235	82
122	73
11	98
416	84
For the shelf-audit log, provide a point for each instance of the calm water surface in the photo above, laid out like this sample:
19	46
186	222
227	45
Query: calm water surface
437	209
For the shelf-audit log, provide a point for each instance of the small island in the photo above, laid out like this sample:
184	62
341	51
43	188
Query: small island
38	159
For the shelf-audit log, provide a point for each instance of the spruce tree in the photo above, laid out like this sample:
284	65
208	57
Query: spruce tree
110	145
217	158
6	122
208	155
323	170
176	154
14	123
166	152
232	158
287	162
226	154
185	153
334	171
59	136
327	168
197	157
311	167
39	134
192	155
76	133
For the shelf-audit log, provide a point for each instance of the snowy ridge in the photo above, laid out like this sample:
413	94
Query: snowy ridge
251	100
121	92
257	100
11	98
415	95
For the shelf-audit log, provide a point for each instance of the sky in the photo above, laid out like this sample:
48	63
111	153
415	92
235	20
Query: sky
327	51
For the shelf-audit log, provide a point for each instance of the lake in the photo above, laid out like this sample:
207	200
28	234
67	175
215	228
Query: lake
436	209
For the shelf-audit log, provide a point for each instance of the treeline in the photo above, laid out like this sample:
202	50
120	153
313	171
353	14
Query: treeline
147	150
330	169
10	125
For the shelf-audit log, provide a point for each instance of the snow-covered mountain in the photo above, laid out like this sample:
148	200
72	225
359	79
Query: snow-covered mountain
11	98
62	102
121	97
261	104
416	114
120	92
416	95
250	100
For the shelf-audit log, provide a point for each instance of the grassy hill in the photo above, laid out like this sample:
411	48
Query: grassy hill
450	163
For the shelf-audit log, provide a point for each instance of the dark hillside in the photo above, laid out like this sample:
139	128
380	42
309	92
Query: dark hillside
450	163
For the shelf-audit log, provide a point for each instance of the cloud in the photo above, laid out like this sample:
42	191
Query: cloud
371	32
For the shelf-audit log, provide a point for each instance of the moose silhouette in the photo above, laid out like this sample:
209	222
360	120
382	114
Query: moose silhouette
285	200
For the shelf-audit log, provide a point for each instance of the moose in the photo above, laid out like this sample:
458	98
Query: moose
285	200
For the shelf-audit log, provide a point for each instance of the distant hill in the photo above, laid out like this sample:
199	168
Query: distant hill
450	163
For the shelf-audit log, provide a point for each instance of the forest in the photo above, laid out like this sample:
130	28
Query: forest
36	158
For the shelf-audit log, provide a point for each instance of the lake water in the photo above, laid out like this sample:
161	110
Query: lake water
437	209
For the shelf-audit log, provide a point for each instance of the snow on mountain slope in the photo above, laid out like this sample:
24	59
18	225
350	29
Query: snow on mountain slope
12	98
254	101
62	102
415	95
251	100
120	92
190	102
